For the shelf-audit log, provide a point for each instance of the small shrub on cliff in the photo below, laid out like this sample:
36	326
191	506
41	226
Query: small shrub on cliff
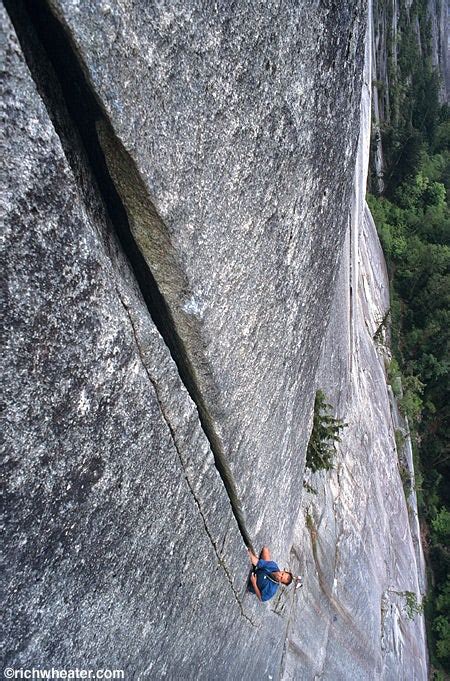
405	477
324	435
412	605
408	390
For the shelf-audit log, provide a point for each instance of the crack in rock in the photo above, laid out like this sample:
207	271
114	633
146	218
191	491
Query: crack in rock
48	46
219	556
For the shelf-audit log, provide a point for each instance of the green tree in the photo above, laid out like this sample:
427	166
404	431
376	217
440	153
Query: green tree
324	435
441	527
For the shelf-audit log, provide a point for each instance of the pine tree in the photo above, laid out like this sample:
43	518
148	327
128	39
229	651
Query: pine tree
324	435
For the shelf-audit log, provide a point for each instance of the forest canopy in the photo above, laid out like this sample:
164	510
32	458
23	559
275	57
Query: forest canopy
413	222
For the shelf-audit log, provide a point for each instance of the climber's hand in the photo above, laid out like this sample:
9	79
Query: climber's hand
252	558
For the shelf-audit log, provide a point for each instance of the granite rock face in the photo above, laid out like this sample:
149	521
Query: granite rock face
115	506
386	40
179	185
240	126
357	534
437	14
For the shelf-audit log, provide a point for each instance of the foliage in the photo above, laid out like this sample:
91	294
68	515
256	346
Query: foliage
438	675
414	116
442	628
413	222
407	390
405	477
412	606
441	525
410	404
379	335
395	378
414	229
324	435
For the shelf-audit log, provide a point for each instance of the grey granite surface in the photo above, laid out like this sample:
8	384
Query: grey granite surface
224	136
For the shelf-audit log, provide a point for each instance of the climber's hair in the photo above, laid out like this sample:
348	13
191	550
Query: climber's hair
291	577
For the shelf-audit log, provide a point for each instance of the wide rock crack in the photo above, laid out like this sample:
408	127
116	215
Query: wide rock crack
49	47
178	449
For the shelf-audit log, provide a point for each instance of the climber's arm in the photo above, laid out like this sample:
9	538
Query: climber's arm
252	557
255	586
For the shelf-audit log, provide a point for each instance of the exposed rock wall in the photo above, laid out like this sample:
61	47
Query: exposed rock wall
239	123
179	241
116	508
177	198
386	41
358	536
438	15
159	395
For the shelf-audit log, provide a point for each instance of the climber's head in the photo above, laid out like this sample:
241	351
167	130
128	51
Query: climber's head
285	577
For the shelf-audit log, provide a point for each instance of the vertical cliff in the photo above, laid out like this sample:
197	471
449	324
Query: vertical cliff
180	238
406	35
178	195
437	15
357	533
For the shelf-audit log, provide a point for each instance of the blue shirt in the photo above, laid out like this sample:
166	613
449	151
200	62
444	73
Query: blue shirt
265	585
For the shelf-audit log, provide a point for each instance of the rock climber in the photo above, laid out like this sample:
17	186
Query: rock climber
266	576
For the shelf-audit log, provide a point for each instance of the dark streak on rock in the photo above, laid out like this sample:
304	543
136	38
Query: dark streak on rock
220	559
48	48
